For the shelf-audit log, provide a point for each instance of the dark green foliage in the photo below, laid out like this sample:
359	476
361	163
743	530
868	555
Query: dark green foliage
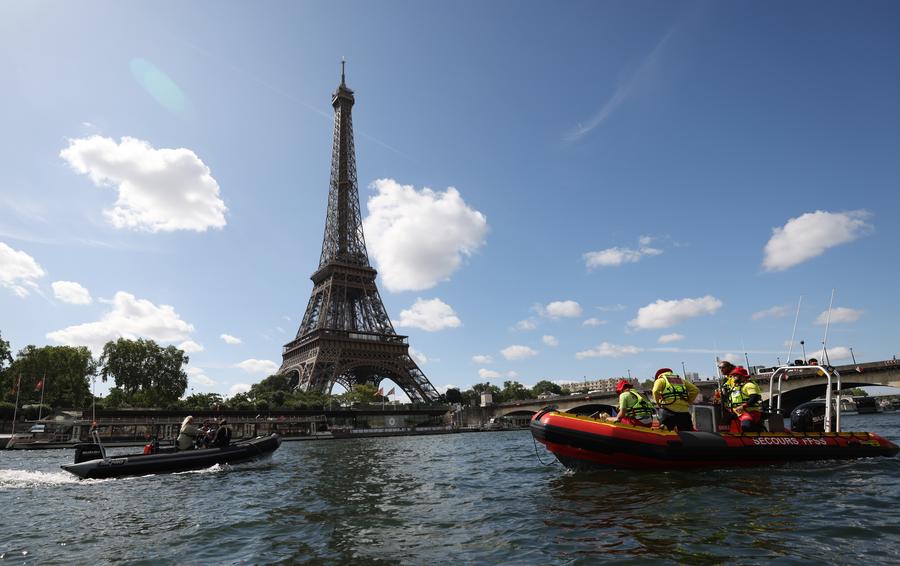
65	371
147	374
453	395
545	386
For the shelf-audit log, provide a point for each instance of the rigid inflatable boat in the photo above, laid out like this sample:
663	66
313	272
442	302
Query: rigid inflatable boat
91	460
579	441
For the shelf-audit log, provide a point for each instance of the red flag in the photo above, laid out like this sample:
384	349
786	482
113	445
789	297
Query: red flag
16	385
380	392
39	385
391	392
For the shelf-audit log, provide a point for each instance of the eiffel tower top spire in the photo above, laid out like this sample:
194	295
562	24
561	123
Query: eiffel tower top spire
343	241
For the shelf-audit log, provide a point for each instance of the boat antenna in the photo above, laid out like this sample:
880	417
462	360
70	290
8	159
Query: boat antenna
746	357
827	323
794	331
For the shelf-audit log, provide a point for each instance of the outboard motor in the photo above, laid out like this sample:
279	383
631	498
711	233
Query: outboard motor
87	452
809	417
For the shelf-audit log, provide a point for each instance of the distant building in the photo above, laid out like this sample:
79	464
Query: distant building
692	376
487	399
597	385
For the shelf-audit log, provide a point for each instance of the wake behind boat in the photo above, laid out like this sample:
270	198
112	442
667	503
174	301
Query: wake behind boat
91	460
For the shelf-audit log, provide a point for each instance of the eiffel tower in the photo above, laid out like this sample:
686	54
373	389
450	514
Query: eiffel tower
346	336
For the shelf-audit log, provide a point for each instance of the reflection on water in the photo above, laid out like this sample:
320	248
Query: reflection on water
473	498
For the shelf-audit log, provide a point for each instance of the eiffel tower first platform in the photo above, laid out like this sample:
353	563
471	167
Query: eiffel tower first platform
346	335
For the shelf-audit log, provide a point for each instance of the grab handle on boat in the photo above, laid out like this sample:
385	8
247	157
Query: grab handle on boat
830	417
95	434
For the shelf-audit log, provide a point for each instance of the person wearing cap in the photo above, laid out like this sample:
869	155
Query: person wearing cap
746	399
673	396
633	408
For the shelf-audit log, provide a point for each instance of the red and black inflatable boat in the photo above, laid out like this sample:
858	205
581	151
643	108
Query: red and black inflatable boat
585	442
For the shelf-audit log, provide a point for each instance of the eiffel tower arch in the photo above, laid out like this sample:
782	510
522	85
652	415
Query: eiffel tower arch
346	336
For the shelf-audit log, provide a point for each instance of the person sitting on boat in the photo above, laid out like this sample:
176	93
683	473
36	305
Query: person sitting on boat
746	399
633	408
187	434
223	435
673	396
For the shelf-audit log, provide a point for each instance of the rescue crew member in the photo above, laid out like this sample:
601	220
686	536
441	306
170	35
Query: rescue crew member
723	394
187	434
673	396
633	408
746	400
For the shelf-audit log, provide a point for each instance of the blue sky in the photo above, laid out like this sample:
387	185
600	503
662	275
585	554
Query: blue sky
634	184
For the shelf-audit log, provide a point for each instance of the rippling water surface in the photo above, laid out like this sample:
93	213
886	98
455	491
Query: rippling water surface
469	498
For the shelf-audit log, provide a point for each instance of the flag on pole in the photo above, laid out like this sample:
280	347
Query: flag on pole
380	392
39	386
391	392
16	384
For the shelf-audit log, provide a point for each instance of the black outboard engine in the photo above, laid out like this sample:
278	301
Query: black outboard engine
809	417
87	452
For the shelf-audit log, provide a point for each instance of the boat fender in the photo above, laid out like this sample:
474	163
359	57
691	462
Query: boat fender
148	449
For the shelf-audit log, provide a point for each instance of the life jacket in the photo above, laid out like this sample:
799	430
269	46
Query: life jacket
739	396
638	408
674	390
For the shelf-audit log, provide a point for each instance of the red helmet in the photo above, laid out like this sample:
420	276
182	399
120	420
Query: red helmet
622	385
661	371
739	372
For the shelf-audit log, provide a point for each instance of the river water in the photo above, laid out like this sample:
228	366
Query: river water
479	498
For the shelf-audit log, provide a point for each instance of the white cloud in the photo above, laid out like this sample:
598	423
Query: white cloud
419	357
71	292
267	367
429	315
835	354
159	190
481	359
526	324
190	347
593	321
607	350
663	314
18	271
669	338
550	340
839	315
197	376
491	374
810	234
488	374
419	238
239	388
517	352
774	312
129	318
616	256
735	359
559	309
229	339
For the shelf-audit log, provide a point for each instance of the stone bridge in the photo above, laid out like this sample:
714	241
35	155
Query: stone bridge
800	387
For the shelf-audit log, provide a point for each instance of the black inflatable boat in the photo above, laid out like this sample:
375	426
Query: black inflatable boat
91	460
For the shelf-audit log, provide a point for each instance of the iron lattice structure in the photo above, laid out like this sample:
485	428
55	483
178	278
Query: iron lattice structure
346	335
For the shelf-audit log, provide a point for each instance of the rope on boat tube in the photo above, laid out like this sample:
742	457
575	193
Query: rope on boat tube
539	456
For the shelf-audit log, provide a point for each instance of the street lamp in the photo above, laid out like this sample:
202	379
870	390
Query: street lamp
683	371
852	356
803	346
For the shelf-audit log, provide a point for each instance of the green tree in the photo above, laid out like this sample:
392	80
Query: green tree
63	371
240	402
204	401
545	386
514	391
453	395
5	354
359	393
148	374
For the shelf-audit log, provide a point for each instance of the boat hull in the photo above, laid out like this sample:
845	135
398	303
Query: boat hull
583	442
141	464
